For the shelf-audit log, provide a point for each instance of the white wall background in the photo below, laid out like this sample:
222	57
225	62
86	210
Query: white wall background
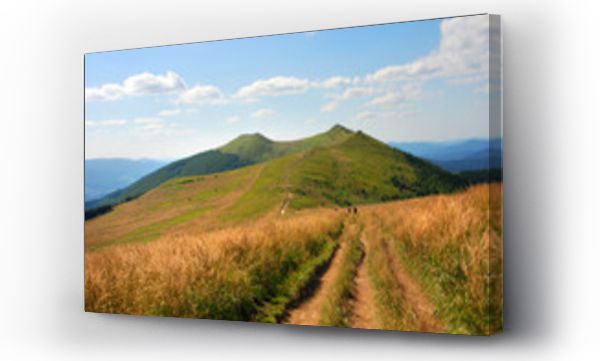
551	181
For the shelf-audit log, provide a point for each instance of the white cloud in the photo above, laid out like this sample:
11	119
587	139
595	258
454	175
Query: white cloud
105	123
150	130
353	93
329	107
249	100
388	100
350	93
151	84
232	119
337	82
364	116
152	126
484	82
169	112
105	92
276	86
469	80
203	94
463	49
408	93
311	34
263	113
147	120
334	82
147	84
138	85
367	116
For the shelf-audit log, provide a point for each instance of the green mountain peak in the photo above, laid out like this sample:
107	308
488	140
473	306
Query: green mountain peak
336	129
251	147
252	137
374	166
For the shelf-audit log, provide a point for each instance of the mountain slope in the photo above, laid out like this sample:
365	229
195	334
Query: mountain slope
354	171
245	150
365	170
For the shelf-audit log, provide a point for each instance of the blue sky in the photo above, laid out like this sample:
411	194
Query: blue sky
418	81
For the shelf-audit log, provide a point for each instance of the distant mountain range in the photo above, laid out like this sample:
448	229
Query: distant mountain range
106	175
339	167
457	156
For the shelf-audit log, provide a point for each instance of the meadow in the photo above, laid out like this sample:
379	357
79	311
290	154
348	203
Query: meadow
241	273
430	264
445	254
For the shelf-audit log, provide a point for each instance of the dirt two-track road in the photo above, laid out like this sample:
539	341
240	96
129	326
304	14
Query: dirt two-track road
365	313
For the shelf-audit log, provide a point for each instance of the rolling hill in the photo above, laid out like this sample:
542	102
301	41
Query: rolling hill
339	168
243	151
364	170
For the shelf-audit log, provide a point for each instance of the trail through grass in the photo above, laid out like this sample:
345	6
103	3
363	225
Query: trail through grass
364	308
451	246
427	264
337	307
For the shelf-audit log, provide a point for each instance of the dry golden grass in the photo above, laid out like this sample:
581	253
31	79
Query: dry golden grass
452	246
229	274
435	263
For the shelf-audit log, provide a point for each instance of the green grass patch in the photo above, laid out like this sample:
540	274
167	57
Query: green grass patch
265	195
293	289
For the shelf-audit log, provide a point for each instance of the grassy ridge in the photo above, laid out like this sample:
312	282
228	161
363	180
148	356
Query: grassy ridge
243	151
338	169
257	148
355	169
363	170
235	274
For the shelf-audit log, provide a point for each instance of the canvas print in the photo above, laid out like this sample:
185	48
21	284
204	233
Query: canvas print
347	177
